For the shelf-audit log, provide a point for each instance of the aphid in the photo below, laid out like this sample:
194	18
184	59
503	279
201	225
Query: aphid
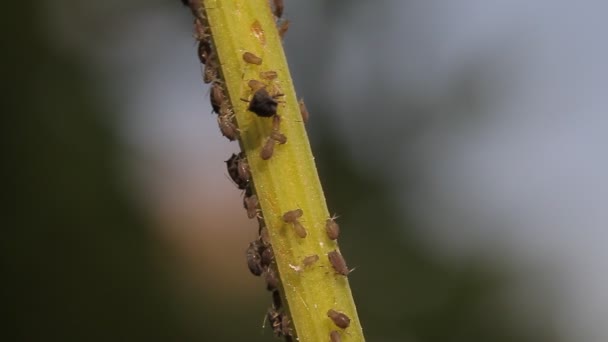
293	215
251	204
279	6
300	230
233	171
186	2
251	58
268	149
268	75
278	137
263	104
276	123
285	325
277	302
272	282
264	236
254	259
227	128
309	260
200	30
340	319
283	28
332	228
210	72
204	50
303	110
334	336
216	96
337	261
242	168
255	85
267	257
274	317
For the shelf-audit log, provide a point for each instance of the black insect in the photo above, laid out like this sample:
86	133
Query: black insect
263	104
279	6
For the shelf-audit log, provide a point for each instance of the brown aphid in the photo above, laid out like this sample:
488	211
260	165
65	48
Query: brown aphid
278	137
204	50
334	336
251	204
337	261
242	168
303	111
276	123
272	282
216	96
300	230
332	228
264	236
279	6
309	260
255	85
274	317
268	75
254	259
263	104
268	149
340	319
251	58
210	71
285	325
292	215
283	28
200	31
267	257
232	166
227	127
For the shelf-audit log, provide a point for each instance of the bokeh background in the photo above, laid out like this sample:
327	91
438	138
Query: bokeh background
461	142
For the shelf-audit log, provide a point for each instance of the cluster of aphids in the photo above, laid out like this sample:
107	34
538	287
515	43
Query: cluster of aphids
263	103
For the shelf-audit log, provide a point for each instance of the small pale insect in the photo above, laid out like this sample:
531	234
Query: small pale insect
292	215
276	123
337	261
309	260
263	104
264	235
254	259
279	6
268	75
334	336
274	317
283	28
286	325
251	58
232	168
340	319
278	137
255	85
251	204
332	228
303	111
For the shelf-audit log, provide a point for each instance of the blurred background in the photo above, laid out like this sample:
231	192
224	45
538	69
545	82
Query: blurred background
461	143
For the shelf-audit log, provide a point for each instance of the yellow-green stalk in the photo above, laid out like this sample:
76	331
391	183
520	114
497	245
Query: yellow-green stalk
289	179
